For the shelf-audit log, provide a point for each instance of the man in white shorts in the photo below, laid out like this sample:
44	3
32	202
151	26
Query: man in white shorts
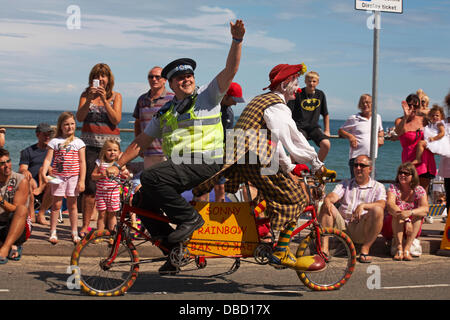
361	211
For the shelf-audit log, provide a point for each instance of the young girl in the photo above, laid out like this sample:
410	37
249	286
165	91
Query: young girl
69	166
436	139
107	195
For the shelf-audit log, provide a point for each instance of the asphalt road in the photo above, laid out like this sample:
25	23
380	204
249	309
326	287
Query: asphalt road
45	278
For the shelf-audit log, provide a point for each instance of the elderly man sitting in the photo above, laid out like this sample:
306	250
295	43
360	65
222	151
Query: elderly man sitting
361	211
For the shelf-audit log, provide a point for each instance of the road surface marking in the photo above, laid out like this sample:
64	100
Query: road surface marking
420	286
4	290
280	291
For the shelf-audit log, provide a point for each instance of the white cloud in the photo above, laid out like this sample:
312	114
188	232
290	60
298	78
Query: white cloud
207	30
431	63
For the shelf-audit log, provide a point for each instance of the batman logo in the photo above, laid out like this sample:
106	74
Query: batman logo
310	104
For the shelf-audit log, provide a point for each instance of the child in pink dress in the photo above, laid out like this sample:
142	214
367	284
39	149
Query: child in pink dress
107	197
68	172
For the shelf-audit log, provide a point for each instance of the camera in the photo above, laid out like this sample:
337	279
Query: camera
96	83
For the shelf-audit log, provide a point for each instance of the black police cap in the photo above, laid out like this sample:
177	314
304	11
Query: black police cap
177	67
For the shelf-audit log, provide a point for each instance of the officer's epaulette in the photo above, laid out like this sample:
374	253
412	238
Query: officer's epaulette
164	109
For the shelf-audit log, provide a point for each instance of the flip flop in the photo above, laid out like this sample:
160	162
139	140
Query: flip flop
13	251
3	260
364	258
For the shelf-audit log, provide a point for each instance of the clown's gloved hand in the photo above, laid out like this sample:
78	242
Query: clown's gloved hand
325	173
299	168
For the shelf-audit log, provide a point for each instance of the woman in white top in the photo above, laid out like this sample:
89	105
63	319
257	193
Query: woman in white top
357	130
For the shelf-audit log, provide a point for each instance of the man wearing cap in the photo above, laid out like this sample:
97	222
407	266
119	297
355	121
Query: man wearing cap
192	139
264	129
147	106
31	160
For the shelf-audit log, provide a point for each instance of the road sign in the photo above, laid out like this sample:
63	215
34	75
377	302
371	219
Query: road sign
394	6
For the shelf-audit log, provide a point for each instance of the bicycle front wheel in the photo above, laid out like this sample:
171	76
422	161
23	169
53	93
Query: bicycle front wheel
98	278
341	260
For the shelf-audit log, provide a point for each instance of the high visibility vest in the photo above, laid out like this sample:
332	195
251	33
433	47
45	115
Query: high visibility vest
186	136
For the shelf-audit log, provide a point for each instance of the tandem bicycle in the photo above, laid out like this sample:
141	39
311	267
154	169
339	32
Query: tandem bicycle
230	231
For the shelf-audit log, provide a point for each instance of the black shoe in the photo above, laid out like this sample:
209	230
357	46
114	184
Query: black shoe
185	229
168	269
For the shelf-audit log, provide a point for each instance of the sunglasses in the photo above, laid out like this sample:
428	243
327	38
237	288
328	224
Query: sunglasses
405	173
151	76
362	165
415	106
2	163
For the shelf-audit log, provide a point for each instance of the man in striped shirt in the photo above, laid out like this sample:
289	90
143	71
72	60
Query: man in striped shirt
361	207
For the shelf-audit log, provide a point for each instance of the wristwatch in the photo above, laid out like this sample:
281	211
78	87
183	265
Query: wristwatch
115	164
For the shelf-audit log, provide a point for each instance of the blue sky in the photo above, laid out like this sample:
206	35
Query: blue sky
45	65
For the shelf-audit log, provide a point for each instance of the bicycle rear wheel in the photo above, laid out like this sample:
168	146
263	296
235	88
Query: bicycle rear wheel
341	263
97	278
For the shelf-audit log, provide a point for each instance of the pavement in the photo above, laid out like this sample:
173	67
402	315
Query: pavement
38	244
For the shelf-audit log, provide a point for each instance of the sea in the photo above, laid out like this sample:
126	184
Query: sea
389	155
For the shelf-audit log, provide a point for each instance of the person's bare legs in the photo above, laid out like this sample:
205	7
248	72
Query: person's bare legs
73	218
46	204
425	183
325	146
88	210
101	220
421	145
327	221
372	228
15	230
397	230
412	229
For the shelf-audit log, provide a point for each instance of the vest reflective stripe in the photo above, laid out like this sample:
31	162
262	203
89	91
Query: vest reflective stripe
187	135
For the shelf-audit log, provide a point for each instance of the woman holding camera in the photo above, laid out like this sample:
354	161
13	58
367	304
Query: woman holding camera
100	110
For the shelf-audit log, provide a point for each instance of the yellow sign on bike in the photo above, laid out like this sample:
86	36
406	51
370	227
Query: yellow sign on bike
229	230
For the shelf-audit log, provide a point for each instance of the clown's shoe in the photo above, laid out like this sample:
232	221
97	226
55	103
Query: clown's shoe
282	257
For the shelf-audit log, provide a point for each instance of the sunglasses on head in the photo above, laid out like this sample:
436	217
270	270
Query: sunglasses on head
362	165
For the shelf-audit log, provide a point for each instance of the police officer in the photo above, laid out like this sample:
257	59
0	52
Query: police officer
192	140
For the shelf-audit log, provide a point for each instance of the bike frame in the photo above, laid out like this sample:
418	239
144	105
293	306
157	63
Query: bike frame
127	209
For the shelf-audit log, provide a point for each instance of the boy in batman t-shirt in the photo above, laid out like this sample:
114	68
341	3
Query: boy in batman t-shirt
306	110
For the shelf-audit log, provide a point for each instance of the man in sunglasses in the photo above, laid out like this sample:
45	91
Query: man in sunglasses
14	189
147	106
361	203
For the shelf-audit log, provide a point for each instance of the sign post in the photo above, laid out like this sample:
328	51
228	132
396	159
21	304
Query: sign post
377	6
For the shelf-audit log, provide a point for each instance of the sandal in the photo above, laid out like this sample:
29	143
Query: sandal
75	237
13	252
407	256
53	237
364	258
399	255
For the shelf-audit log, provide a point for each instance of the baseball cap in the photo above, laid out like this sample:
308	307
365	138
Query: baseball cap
235	91
44	127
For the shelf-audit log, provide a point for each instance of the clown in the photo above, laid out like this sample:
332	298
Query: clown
285	199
